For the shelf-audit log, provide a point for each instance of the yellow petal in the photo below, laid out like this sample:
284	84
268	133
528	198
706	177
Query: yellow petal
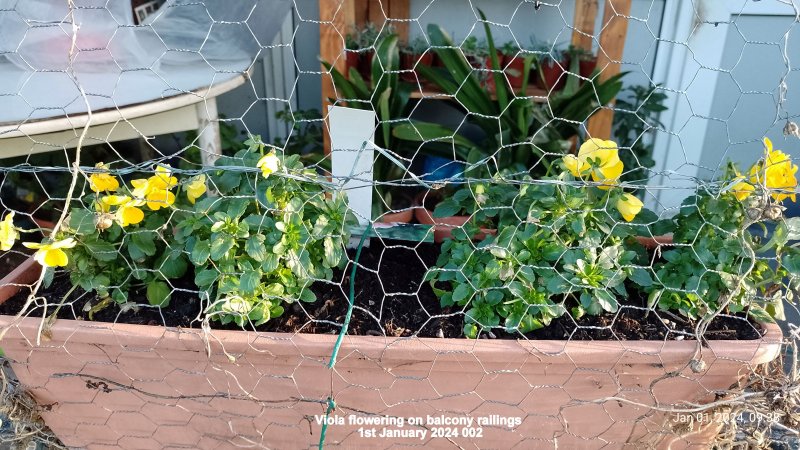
130	215
64	243
629	206
196	188
268	164
160	198
55	257
8	234
610	170
742	189
575	166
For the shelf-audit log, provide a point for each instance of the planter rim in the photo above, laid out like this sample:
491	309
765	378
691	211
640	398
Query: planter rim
756	351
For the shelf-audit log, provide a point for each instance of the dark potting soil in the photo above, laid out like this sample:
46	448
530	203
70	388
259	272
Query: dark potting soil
391	299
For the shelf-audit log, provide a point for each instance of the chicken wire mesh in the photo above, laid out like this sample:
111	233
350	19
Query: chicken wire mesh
502	241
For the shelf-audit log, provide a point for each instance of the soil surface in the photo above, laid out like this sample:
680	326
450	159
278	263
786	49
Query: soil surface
391	299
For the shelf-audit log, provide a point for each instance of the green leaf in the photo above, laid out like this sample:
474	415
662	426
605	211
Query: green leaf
200	252
237	207
793	228
255	247
308	296
173	264
333	252
221	246
101	250
270	263
606	300
119	295
641	277
790	259
250	281
158	293
461	293
206	278
417	131
447	208
760	314
82	221
145	241
470	331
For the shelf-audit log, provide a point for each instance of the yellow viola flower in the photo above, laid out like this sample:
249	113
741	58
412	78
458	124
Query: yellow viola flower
52	254
103	181
629	206
597	157
128	212
268	164
775	172
196	188
159	198
141	188
743	188
8	234
163	178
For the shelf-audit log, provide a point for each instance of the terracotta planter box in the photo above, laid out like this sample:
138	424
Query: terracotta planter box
133	386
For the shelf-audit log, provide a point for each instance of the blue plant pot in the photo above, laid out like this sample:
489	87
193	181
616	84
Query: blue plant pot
437	168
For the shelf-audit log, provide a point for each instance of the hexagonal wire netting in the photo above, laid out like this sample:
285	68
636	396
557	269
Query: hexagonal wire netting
394	223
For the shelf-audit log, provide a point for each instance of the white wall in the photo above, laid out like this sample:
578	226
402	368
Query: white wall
746	100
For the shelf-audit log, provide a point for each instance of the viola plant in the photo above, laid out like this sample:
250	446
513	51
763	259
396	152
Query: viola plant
563	244
270	234
719	263
116	242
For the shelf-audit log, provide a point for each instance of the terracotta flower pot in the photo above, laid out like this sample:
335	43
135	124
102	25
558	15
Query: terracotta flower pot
483	65
408	61
514	68
352	60
443	226
402	216
137	386
365	63
552	75
587	66
654	242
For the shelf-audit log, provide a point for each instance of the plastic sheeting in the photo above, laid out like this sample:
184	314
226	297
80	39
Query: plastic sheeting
184	46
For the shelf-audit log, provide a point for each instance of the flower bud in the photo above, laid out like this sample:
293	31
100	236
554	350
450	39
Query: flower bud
103	221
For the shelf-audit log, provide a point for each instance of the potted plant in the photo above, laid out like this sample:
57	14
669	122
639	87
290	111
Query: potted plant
587	61
552	67
565	250
414	53
513	63
352	53
529	130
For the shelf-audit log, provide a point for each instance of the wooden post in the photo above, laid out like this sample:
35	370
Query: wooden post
335	16
400	9
612	44
583	23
